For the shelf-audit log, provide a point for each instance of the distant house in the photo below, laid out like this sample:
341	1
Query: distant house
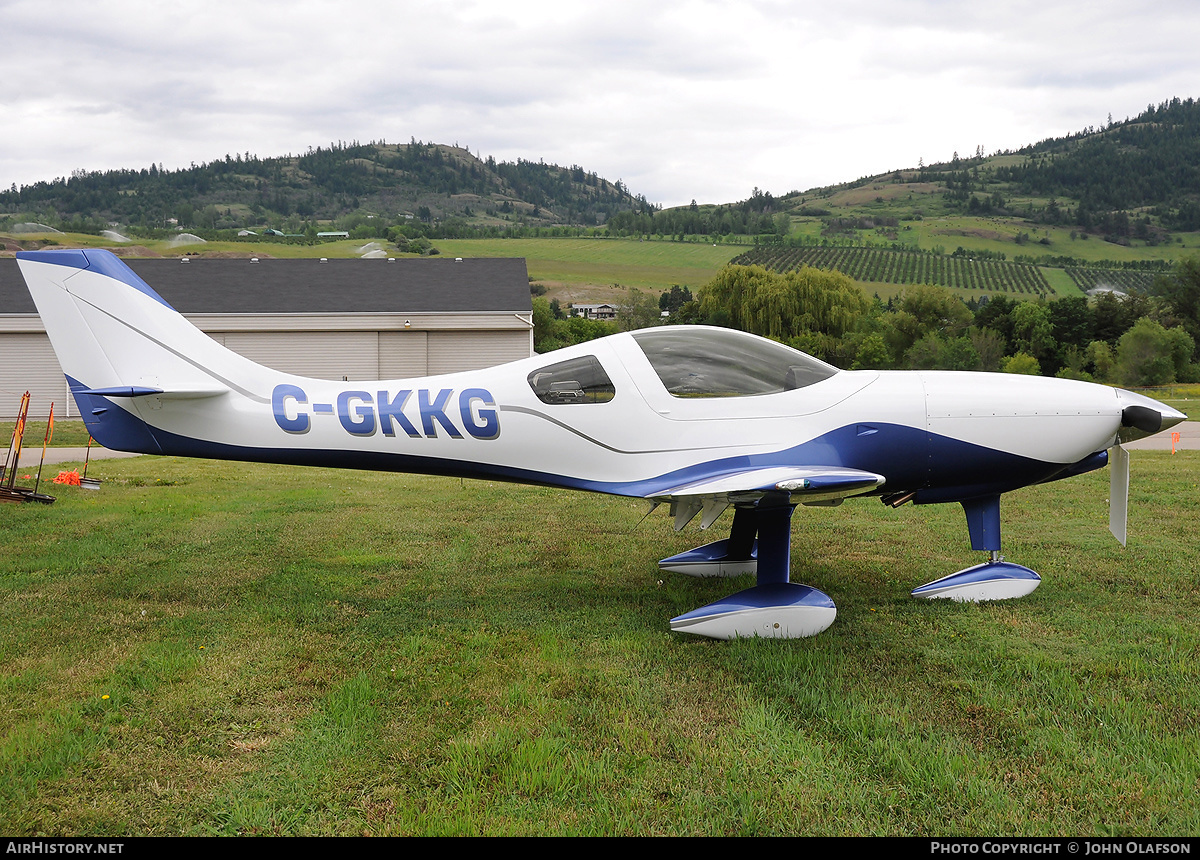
333	234
343	319
595	312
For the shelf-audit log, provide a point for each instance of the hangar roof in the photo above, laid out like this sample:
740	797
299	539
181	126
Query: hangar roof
272	286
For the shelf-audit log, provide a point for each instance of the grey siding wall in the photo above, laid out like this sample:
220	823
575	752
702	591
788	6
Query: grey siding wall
452	351
323	354
403	354
27	362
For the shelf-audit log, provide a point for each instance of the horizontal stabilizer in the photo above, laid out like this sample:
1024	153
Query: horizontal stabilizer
173	393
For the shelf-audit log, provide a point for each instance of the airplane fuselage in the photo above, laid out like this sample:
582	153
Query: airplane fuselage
942	435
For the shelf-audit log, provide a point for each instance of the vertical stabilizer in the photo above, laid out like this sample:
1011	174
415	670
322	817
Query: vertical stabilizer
119	344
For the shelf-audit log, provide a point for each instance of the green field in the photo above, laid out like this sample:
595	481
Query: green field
999	235
216	648
584	263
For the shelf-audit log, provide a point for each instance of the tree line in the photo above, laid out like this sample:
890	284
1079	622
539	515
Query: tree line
1138	340
322	183
1146	166
759	214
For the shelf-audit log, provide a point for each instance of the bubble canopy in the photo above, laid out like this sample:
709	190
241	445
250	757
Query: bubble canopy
727	363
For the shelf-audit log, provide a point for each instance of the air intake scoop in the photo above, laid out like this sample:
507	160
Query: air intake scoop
1142	418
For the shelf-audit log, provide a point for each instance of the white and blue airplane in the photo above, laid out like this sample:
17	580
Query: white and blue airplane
702	419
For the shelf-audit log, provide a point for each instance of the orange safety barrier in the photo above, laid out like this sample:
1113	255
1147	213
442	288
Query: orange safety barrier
71	478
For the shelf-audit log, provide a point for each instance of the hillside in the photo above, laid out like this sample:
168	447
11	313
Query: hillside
1131	183
1124	195
1107	207
418	182
1150	163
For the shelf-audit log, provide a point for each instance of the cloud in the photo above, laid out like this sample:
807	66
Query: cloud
681	100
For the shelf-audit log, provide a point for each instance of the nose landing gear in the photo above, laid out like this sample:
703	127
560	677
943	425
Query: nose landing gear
995	579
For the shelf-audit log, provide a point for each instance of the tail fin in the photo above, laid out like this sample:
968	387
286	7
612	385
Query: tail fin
123	348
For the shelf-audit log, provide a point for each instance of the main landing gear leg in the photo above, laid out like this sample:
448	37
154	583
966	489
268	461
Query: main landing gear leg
775	607
995	579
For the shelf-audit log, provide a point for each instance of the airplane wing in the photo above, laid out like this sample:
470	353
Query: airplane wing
810	485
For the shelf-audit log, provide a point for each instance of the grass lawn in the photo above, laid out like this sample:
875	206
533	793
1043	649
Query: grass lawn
215	648
68	433
1061	282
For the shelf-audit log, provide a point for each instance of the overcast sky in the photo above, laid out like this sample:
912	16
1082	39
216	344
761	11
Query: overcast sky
681	100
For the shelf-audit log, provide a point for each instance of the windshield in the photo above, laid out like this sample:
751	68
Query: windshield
726	363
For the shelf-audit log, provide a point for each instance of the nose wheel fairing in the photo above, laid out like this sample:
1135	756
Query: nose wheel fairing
995	579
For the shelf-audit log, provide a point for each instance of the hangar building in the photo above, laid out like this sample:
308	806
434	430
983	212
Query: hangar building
335	319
